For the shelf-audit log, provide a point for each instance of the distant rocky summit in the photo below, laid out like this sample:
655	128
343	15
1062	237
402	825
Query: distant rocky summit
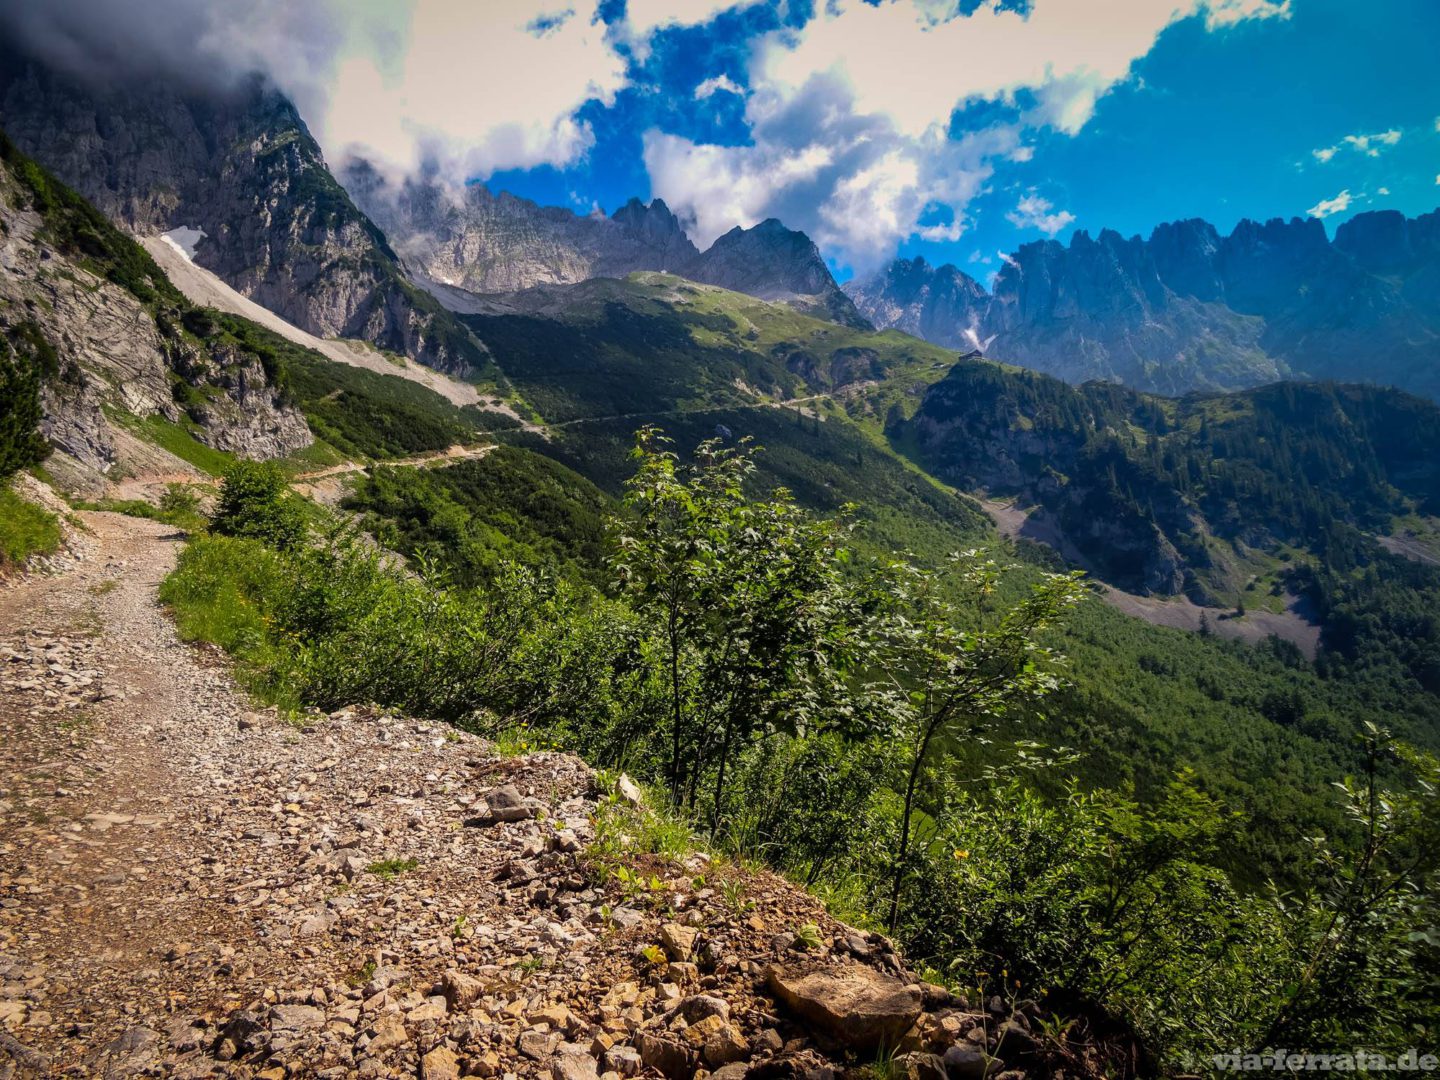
1189	309
483	242
776	263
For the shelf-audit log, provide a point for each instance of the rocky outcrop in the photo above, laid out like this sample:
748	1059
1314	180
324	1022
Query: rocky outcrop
1189	309
116	354
242	170
852	1004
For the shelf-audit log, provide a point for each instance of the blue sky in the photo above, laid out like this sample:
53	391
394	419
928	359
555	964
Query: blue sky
1217	122
956	129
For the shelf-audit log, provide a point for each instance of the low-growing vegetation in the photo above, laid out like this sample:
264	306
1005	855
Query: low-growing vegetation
26	530
853	721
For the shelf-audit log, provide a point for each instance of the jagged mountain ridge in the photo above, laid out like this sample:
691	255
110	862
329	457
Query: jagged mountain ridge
242	167
486	242
1189	309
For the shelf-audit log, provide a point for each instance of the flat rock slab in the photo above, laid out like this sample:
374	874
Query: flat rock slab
850	1003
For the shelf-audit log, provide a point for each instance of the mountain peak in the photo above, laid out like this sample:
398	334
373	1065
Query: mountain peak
774	262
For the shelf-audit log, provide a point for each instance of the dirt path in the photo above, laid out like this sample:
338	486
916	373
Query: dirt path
450	454
168	856
189	887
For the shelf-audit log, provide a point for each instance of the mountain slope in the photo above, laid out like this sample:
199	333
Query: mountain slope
120	344
1189	309
656	342
1191	495
772	262
243	170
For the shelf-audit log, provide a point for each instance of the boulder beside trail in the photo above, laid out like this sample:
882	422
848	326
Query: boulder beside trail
849	1003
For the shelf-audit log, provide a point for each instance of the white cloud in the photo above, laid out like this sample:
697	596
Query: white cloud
1035	212
645	17
1382	191
1325	207
717	84
852	182
1222	13
861	96
472	88
1369	145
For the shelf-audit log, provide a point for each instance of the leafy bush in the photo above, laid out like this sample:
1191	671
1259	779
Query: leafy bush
255	502
25	529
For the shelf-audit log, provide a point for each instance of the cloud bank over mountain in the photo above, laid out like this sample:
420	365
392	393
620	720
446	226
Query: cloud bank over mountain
864	124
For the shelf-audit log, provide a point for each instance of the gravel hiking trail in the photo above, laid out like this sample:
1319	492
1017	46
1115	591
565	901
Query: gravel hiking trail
193	887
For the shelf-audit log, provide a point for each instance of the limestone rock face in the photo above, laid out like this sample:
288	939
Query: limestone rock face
941	304
1189	309
112	350
242	169
850	1003
485	242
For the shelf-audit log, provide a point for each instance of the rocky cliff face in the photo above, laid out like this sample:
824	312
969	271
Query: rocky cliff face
941	304
488	243
243	170
484	242
775	263
118	349
1188	309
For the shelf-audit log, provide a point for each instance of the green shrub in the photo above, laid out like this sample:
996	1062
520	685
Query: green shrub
25	529
255	502
26	361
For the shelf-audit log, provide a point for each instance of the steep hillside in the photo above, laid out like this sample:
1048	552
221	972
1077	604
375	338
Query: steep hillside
1189	310
242	170
115	341
1191	495
655	342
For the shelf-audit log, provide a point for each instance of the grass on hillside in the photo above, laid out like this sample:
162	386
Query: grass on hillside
179	439
656	343
25	529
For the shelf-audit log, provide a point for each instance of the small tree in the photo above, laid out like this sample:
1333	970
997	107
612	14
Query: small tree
255	502
27	361
758	619
943	682
1371	920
